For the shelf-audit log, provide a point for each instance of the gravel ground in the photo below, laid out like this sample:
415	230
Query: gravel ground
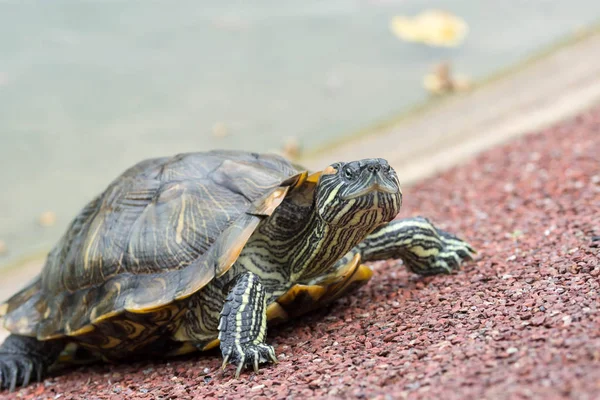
521	321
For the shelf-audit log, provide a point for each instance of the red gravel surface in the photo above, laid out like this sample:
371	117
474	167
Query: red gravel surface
521	321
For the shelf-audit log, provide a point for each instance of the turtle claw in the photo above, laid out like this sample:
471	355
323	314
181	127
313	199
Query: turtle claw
27	373
273	356
17	370
238	370
455	250
23	358
252	355
225	359
13	379
255	365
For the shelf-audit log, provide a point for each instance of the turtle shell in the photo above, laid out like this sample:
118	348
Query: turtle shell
159	233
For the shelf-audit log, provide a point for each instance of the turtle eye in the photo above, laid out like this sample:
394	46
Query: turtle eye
348	173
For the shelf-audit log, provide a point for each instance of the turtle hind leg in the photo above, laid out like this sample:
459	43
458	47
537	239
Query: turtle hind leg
425	249
23	359
243	325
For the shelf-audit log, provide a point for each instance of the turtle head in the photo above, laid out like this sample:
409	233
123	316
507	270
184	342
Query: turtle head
358	193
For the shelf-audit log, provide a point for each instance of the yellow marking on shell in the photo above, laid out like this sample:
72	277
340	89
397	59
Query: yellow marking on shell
117	287
194	286
360	273
145	308
51	337
235	249
179	229
275	199
138	329
185	348
140	344
171	312
314	291
348	274
275	311
349	268
272	201
65	358
181	334
211	199
314	177
342	273
329	171
68	354
71	356
103	317
364	273
229	258
112	342
90	242
211	345
81	331
22	323
301	180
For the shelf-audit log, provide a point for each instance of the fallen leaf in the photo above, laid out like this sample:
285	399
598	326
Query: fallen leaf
431	27
441	81
291	148
47	219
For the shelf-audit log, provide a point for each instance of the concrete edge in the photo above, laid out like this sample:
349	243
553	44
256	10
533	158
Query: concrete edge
422	167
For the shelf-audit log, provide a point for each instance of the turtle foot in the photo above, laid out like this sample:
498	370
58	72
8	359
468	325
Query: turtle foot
18	370
23	359
243	324
447	259
250	355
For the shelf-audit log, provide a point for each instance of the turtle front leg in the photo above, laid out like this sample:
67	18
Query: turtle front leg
424	249
243	325
23	358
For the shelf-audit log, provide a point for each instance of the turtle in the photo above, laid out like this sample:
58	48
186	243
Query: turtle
203	250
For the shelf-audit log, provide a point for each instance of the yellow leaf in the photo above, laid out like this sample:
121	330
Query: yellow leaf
431	27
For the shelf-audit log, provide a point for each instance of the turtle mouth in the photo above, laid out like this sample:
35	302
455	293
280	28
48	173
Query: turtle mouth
377	185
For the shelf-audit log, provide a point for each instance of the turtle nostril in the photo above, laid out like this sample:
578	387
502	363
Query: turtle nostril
374	168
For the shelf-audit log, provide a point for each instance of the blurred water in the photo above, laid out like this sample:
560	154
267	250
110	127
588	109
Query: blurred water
89	87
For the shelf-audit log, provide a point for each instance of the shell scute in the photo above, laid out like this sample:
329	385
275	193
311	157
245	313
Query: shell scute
160	232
